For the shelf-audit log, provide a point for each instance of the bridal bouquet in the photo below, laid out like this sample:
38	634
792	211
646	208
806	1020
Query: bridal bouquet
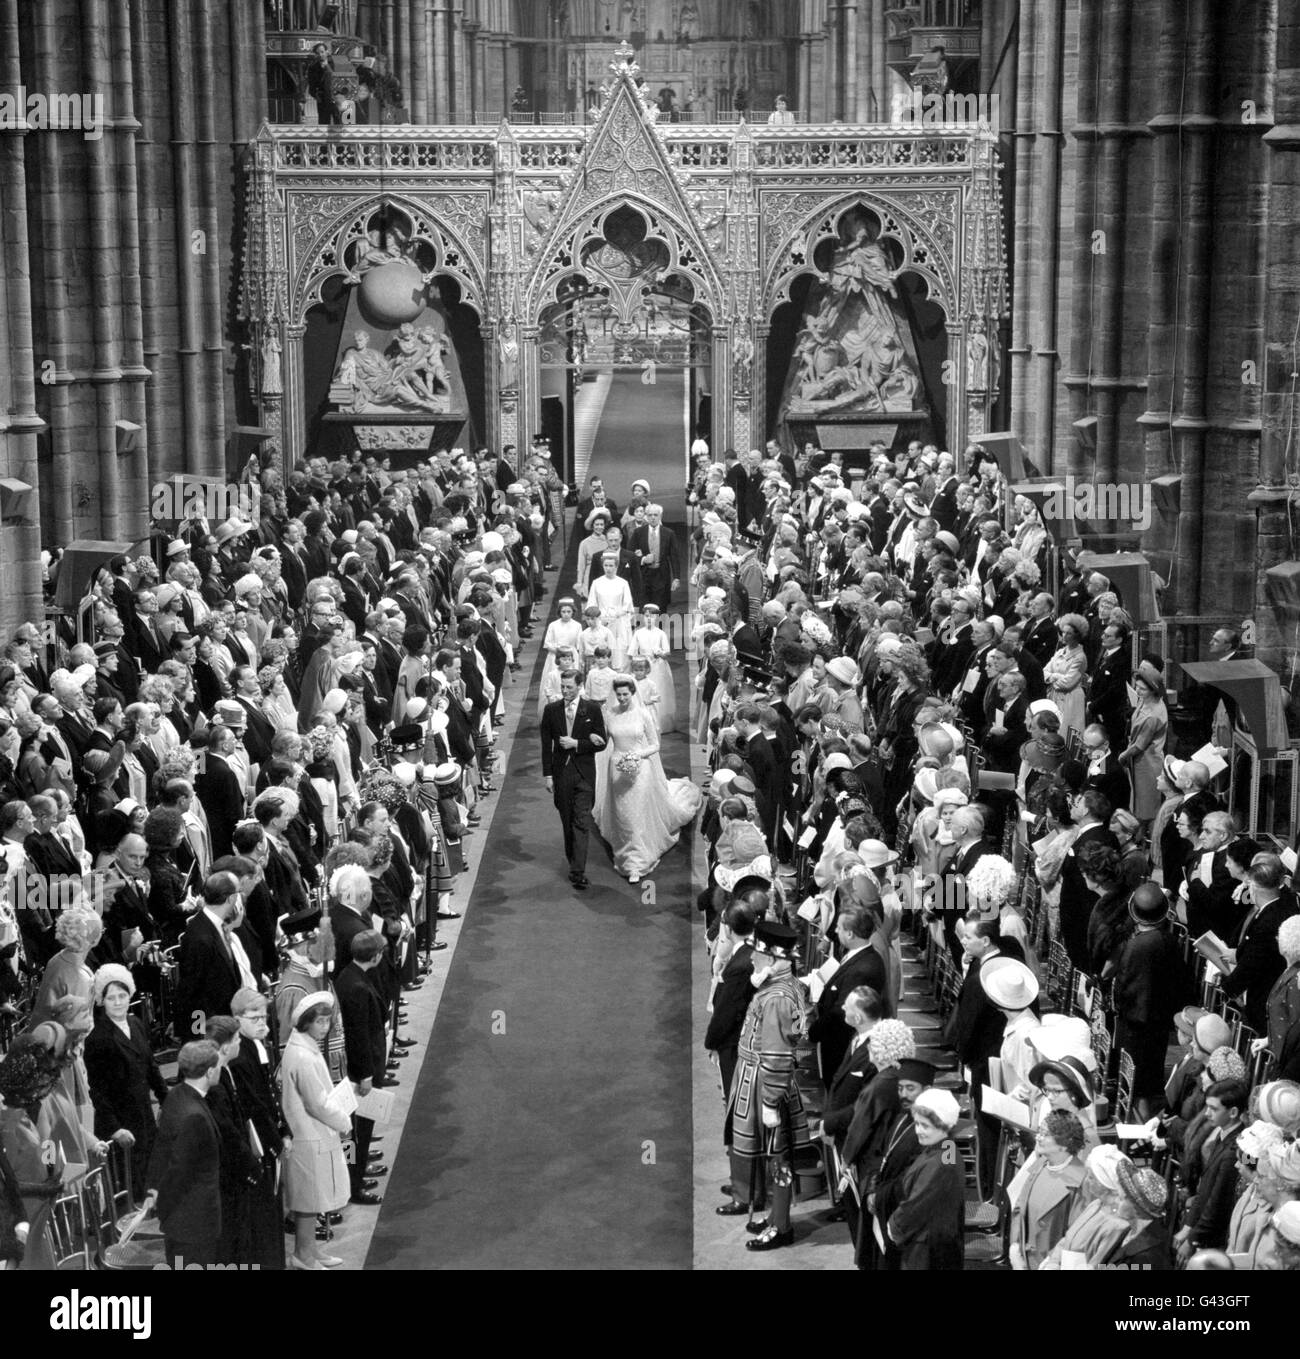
629	764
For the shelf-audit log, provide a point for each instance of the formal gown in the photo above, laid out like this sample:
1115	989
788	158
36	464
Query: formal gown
613	595
652	643
641	813
558	634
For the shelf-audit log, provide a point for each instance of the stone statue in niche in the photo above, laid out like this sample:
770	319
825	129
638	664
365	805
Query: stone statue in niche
854	352
410	376
508	346
977	358
272	377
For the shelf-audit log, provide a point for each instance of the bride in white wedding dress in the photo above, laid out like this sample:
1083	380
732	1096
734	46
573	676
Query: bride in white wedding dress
639	810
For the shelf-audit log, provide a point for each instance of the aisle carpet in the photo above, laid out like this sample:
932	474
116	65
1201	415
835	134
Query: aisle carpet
551	1122
642	433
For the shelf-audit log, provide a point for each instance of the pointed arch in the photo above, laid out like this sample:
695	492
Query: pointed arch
928	247
325	256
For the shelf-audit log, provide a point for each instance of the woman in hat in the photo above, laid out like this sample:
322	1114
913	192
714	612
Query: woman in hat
1065	1086
1248	1225
1139	1202
1096	1228
591	548
315	1173
927	1225
122	1071
1144	755
1066	670
1048	1189
650	642
1283	1004
29	1073
563	634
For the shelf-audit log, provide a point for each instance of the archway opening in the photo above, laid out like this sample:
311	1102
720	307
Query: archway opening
624	362
856	355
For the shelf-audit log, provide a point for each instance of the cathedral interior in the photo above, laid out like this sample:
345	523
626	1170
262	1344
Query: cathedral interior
1066	275
254	232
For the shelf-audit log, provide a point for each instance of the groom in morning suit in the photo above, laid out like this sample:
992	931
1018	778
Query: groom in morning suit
573	730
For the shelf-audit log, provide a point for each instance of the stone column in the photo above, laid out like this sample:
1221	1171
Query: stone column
294	433
20	424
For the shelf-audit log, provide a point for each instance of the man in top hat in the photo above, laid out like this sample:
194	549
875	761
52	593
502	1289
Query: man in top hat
766	1126
1151	984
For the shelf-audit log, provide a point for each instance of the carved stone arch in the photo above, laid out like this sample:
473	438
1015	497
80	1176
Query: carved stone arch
323	259
928	251
567	257
689	256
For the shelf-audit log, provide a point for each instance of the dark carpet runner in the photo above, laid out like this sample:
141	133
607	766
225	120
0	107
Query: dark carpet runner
550	1127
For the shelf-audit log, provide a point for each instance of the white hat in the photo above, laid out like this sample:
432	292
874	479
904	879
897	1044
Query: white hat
1104	1161
1043	705
844	670
404	772
493	542
836	761
83	673
177	546
1009	983
245	585
1286	1222
334	701
348	536
888	644
415	709
309	1001
1061	1036
875	853
941	1105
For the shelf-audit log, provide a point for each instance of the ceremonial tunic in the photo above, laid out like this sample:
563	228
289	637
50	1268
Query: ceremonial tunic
776	1024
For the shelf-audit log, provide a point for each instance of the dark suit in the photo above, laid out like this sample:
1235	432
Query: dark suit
760	755
123	1073
1113	781
975	1030
209	977
658	580
259	732
1108	694
1039	637
1259	964
901	1149
829	1029
222	799
185	1170
362	1010
1209	1213
573	772
731	999
1076	900
1213	907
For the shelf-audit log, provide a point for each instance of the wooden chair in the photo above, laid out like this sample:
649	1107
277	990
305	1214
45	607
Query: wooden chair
1124	1088
70	1242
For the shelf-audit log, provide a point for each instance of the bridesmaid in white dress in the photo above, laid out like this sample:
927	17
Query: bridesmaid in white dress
564	632
613	596
566	658
651	641
639	810
647	691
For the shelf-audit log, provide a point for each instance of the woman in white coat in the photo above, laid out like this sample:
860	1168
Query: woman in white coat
315	1173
